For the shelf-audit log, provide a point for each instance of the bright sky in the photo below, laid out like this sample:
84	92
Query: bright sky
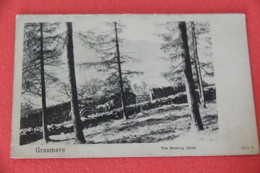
150	64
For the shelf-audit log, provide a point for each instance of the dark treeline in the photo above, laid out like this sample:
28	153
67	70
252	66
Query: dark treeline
158	93
59	113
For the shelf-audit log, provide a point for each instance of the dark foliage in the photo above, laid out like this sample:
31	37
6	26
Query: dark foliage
158	93
53	45
56	114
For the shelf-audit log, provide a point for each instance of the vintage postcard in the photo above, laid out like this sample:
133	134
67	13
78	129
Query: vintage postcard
131	85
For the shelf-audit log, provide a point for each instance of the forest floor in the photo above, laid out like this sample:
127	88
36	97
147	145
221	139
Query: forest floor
171	122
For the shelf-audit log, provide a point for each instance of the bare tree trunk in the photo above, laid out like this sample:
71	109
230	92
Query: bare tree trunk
191	94
77	123
197	65
120	76
44	109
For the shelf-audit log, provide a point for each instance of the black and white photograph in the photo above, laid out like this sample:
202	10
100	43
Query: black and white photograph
125	81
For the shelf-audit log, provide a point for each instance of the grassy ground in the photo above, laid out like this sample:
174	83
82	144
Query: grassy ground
171	122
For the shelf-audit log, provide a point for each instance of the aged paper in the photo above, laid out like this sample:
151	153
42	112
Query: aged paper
132	86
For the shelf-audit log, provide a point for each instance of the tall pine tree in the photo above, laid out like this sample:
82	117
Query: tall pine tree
111	59
77	123
191	94
41	49
197	65
177	47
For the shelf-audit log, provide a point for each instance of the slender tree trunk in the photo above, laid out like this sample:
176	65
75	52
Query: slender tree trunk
197	65
44	109
191	94
120	76
77	123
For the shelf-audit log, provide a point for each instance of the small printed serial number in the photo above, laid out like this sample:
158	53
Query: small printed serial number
248	148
